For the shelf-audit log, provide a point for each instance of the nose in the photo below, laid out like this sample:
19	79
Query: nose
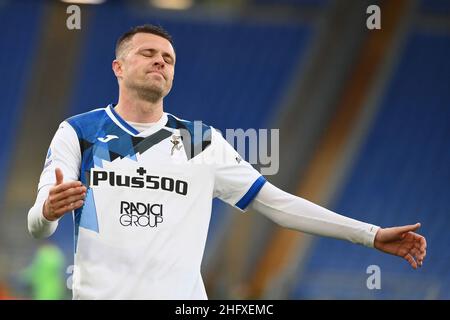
159	61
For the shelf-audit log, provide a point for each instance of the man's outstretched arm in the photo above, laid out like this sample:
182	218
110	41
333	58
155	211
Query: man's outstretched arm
299	214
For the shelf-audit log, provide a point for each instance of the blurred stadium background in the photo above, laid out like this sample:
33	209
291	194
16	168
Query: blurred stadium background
364	119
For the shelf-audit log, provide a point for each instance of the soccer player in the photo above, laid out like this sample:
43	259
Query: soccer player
140	184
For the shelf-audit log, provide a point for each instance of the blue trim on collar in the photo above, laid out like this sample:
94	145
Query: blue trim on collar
122	122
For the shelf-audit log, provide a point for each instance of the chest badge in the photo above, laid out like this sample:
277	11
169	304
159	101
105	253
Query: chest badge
176	140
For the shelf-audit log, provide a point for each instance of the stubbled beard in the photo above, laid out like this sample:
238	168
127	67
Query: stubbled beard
151	94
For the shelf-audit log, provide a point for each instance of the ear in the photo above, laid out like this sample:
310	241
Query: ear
117	68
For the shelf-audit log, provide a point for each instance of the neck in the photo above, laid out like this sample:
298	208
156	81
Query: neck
132	108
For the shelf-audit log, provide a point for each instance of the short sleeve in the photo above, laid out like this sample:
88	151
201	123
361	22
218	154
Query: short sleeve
236	181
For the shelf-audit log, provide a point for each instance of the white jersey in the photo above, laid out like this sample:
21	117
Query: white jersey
142	230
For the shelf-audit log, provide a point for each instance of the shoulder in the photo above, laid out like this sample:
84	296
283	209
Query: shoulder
86	117
85	120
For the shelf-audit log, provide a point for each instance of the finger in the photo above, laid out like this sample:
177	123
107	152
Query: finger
405	229
417	255
420	260
64	186
59	176
411	261
67	208
423	243
69	200
424	254
420	243
68	193
78	204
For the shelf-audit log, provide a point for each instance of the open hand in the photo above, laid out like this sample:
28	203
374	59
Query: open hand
403	242
63	197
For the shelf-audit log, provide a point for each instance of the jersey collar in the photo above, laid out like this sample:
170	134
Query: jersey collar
119	121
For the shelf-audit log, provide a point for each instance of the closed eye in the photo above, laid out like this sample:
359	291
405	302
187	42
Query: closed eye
151	52
168	58
148	52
